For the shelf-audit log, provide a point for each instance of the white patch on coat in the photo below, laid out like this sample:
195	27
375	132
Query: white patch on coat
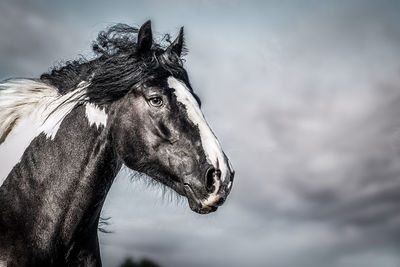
96	115
211	146
27	109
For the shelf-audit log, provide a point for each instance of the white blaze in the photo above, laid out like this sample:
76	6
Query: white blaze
211	146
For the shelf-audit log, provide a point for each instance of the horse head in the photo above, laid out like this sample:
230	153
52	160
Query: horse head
159	129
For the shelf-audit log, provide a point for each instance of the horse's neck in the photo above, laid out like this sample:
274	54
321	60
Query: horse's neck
57	189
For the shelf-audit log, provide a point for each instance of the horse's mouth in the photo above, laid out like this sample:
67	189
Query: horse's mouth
201	206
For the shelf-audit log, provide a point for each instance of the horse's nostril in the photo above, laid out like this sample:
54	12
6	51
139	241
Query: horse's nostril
210	179
232	175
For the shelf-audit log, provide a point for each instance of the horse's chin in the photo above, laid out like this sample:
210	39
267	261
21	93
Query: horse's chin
195	204
199	208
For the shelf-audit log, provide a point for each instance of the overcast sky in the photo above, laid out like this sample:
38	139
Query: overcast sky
303	95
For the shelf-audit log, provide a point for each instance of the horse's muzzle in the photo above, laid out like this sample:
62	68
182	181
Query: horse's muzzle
217	191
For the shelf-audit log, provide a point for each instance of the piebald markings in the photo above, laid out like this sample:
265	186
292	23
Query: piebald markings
31	107
96	115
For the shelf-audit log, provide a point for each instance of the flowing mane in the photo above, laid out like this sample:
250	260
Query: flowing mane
23	98
116	68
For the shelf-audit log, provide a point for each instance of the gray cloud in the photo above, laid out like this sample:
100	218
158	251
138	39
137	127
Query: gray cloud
34	39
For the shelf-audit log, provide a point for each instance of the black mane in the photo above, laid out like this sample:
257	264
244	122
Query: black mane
117	66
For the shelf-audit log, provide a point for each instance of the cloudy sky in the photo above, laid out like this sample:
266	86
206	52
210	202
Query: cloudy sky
303	95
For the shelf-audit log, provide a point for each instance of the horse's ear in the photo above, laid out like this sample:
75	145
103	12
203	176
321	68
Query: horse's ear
145	38
177	45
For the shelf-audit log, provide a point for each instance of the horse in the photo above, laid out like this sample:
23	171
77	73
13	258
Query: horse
74	128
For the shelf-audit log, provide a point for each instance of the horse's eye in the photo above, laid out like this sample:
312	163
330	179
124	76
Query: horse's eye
156	101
